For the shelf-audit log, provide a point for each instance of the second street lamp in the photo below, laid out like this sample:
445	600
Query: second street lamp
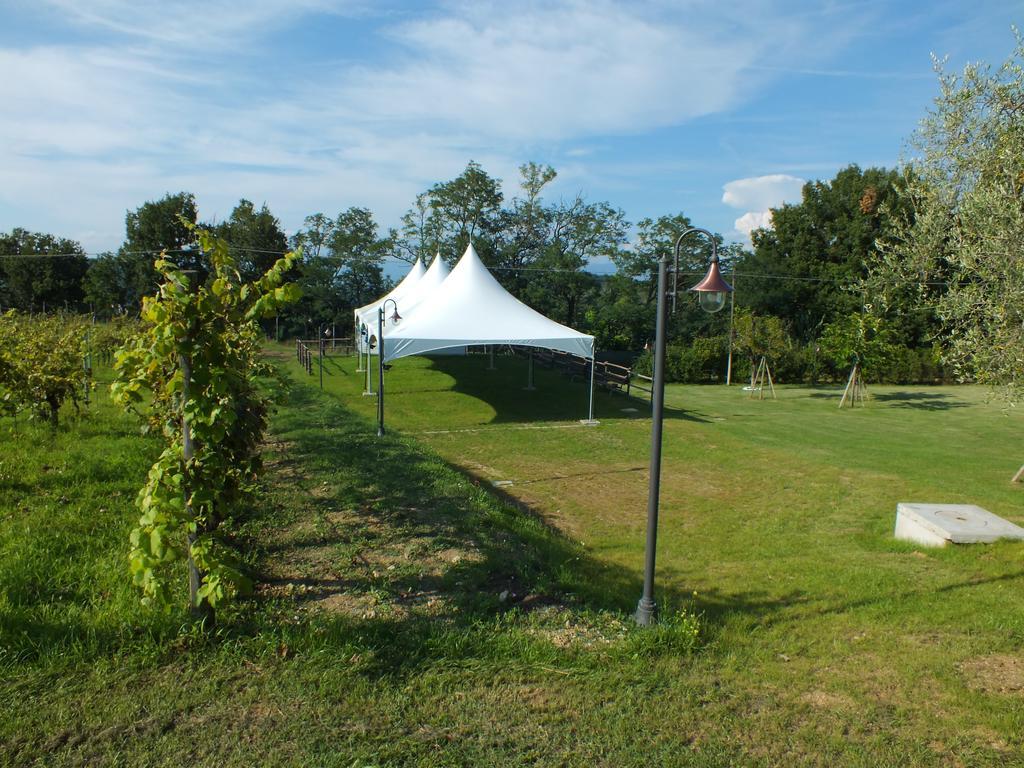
395	318
711	292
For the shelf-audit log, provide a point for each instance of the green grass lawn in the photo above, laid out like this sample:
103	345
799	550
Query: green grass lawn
409	612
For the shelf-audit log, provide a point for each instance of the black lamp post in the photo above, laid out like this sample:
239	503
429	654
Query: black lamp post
370	342
712	292
395	318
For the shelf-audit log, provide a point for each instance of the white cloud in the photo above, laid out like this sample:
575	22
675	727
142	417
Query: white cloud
762	192
193	23
557	71
752	220
176	104
759	194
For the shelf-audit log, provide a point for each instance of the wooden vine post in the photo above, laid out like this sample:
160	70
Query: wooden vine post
200	609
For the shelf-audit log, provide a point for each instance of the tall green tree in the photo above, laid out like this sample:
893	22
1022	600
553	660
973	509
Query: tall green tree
808	267
343	268
467	208
358	254
40	271
959	242
524	227
420	233
256	237
450	215
154	227
105	285
577	231
656	238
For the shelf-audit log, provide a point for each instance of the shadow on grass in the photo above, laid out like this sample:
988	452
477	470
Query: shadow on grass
556	397
925	401
916	399
396	551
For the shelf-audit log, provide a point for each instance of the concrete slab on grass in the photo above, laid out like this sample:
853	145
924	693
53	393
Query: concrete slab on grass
936	525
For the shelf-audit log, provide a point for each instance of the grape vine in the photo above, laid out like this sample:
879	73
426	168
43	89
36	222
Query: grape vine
192	370
40	363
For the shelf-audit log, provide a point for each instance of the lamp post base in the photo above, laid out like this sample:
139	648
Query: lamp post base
646	612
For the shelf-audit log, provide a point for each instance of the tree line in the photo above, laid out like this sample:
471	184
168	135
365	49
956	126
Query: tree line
803	272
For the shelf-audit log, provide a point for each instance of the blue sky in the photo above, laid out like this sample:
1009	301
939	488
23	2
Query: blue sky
716	109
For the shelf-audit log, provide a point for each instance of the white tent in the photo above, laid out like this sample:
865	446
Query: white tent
368	314
471	307
426	287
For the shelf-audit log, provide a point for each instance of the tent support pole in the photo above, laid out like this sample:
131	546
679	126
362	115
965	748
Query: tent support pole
355	347
593	365
590	418
369	378
529	374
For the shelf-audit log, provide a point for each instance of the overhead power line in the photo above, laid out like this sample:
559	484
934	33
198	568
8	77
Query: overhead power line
394	259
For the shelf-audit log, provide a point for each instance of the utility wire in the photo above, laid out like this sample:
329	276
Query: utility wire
394	259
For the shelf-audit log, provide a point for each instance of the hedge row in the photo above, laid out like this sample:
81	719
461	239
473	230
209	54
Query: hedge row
705	362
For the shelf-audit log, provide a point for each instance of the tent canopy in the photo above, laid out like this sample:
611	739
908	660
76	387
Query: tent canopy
368	314
471	307
426	287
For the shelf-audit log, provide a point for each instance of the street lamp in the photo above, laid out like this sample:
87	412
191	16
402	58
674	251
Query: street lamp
711	292
395	319
369	342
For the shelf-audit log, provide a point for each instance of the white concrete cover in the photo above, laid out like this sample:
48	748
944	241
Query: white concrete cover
938	524
471	307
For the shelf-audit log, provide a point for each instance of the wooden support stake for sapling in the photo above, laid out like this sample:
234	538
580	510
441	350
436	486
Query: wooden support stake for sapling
854	388
768	373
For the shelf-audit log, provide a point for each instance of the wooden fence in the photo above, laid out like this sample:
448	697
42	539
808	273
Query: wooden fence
611	376
304	354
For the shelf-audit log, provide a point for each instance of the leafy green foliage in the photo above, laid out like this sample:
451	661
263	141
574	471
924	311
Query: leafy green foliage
255	237
341	269
759	336
450	215
700	362
961	250
858	338
104	339
40	363
116	283
822	245
198	355
51	281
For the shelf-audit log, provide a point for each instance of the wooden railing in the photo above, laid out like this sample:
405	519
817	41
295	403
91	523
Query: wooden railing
304	354
611	376
329	345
